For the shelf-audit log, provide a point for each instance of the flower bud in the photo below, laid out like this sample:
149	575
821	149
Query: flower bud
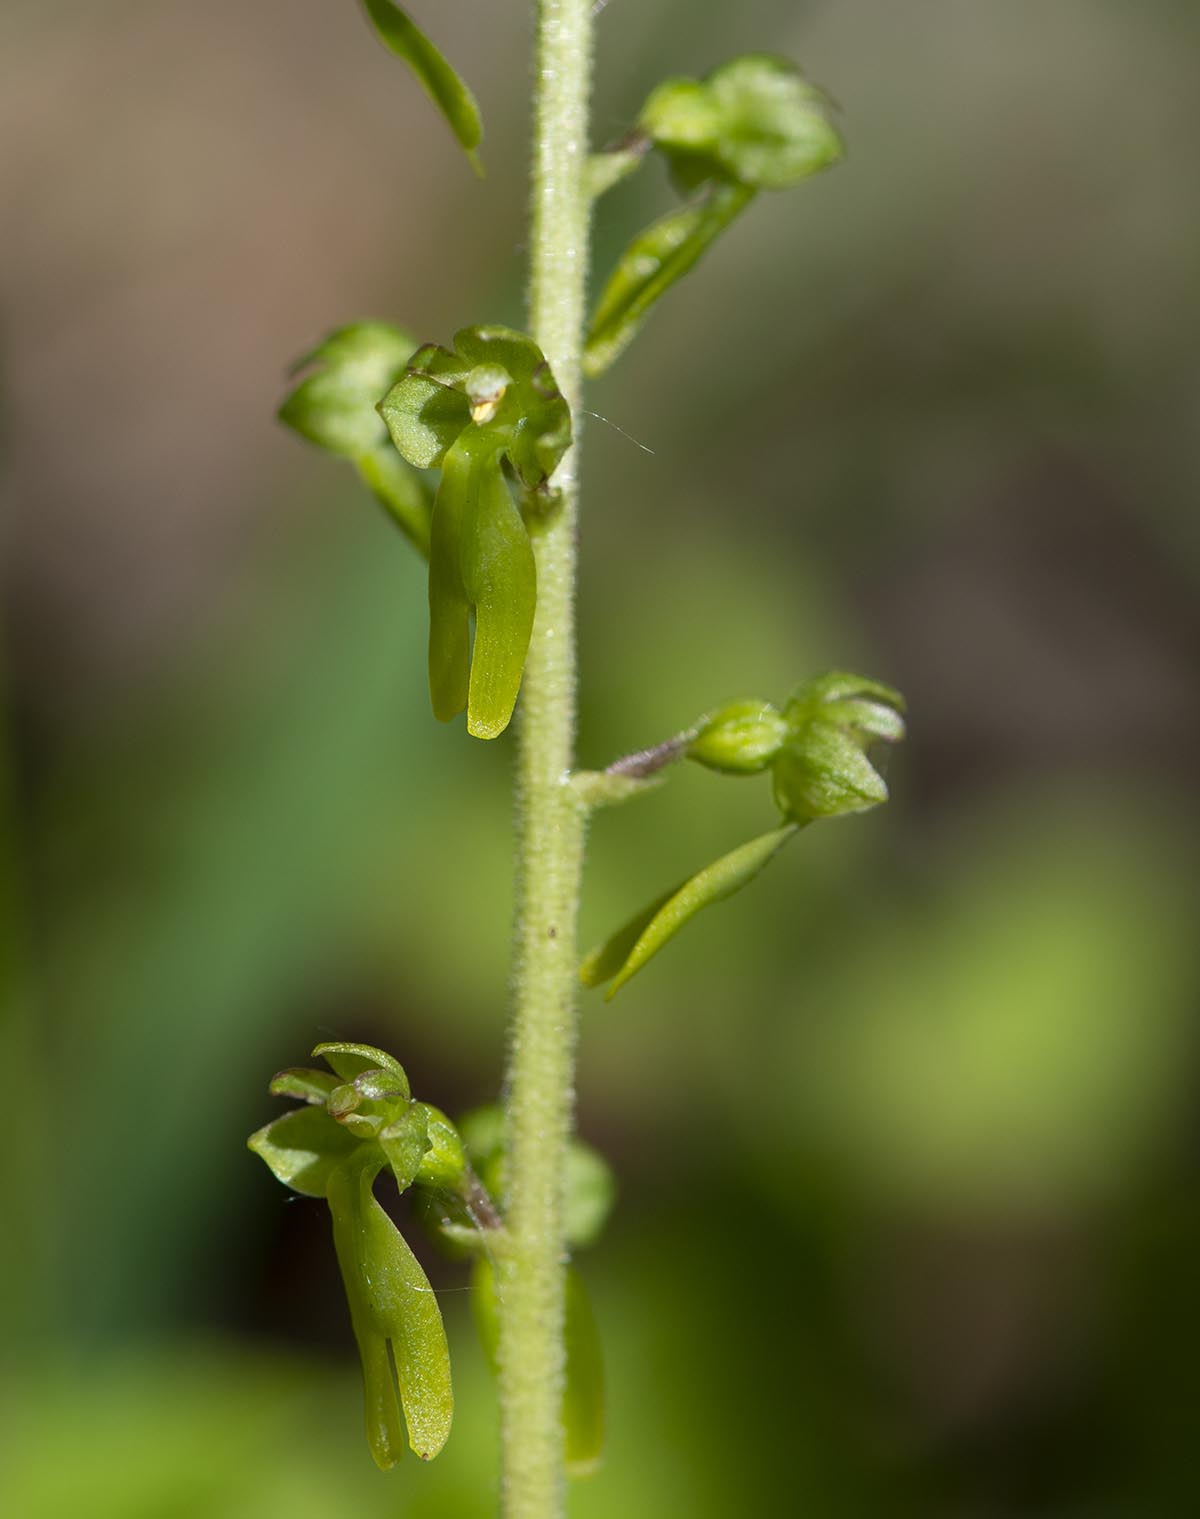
740	739
755	119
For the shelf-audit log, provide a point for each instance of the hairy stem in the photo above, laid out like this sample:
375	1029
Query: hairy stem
550	819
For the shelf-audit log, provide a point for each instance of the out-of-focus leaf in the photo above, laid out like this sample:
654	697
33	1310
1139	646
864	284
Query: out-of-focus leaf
583	1389
651	264
482	1131
335	406
583	1392
623	955
303	1148
400	35
591	1190
400	491
604	170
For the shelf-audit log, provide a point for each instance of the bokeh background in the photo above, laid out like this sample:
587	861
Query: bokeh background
907	1135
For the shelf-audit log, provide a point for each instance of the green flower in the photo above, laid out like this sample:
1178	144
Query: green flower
355	1123
492	402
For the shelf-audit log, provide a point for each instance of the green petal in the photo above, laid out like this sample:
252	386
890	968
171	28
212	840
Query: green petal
393	1295
376	1103
381	1406
303	1148
500	580
837	686
400	35
651	264
309	1086
449	609
640	940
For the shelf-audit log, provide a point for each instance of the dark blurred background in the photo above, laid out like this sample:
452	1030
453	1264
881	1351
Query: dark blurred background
907	1136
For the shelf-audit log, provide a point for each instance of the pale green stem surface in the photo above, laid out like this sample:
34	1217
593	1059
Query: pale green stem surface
550	818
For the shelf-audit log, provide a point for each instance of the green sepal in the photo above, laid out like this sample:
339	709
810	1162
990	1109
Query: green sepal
376	1102
639	940
406	1142
303	1147
308	1086
651	264
400	35
740	738
853	701
754	119
392	1306
583	1385
427	407
334	406
444	1164
350	1060
823	769
827	775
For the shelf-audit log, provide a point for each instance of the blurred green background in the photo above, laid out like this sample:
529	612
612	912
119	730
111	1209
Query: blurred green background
907	1136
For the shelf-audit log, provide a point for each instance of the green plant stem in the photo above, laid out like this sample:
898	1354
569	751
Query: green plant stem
550	818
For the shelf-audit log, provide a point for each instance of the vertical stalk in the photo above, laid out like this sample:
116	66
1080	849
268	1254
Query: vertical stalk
550	823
